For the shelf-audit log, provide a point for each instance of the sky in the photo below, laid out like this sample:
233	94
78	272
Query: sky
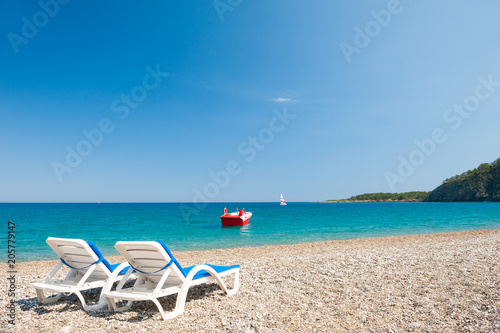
239	101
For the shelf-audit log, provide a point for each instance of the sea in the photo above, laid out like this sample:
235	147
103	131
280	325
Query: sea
187	227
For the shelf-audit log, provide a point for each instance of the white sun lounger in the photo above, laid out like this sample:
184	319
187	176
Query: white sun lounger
160	275
88	269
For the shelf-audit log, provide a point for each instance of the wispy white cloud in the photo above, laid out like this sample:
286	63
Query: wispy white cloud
280	99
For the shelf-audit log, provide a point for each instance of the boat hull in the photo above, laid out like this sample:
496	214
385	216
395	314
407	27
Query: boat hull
232	219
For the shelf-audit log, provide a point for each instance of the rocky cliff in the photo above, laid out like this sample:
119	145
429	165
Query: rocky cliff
480	184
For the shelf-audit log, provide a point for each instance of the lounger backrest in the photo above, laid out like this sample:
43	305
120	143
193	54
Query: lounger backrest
78	254
149	259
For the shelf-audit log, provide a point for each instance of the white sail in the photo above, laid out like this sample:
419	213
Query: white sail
282	201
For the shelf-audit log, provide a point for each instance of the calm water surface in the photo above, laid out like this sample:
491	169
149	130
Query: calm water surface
107	223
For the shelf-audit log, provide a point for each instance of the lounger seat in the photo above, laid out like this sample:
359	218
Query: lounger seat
160	274
88	269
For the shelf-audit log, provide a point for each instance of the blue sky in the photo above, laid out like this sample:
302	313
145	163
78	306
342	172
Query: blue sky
241	100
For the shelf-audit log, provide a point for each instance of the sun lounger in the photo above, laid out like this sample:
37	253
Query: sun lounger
88	269
160	274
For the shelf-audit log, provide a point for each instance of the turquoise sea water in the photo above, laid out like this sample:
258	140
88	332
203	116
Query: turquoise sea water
107	223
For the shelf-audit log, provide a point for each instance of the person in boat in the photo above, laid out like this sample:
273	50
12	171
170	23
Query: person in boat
241	212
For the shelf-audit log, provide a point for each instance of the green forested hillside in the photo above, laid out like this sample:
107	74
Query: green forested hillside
480	184
407	196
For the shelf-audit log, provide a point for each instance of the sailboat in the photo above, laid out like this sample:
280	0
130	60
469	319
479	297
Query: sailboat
282	201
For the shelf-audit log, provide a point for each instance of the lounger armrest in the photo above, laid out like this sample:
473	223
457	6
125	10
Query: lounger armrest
216	276
126	277
198	268
119	268
49	277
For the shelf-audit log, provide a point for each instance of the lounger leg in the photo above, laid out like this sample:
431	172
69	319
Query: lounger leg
182	295
112	305
40	295
236	284
99	305
179	308
221	283
102	300
82	300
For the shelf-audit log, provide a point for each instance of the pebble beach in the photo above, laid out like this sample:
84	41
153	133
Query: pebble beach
446	282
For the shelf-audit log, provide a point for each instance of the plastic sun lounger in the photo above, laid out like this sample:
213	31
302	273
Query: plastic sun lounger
88	269
160	274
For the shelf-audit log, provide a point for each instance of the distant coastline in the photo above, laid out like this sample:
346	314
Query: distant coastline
352	201
481	184
414	196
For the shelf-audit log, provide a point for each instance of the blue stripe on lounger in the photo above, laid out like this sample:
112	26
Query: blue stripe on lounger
200	274
186	271
104	261
122	272
78	268
161	269
171	256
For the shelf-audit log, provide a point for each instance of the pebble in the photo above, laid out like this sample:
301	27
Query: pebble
439	283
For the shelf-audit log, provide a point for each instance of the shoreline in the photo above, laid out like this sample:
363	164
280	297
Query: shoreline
115	258
437	282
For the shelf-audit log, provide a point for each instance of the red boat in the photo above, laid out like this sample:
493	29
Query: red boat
237	218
